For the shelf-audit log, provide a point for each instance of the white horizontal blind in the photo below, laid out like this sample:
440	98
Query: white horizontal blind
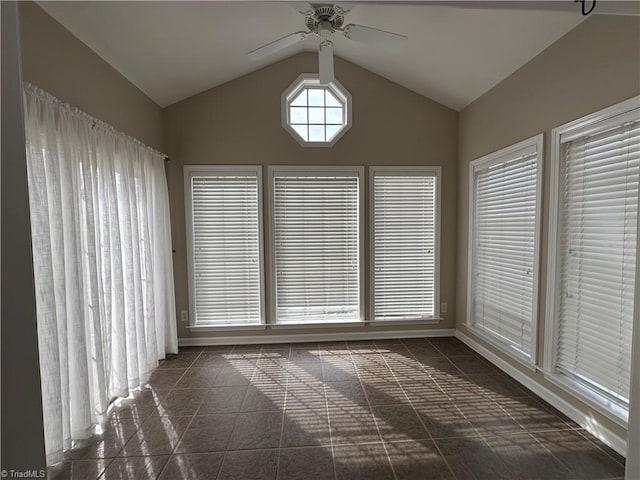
597	251
504	248
316	248
404	243
226	248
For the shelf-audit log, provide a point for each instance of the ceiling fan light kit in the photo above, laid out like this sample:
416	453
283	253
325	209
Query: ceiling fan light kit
324	21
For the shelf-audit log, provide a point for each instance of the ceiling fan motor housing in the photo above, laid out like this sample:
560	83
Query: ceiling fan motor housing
325	20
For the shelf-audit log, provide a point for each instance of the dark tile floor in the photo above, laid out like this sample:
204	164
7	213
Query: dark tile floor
411	409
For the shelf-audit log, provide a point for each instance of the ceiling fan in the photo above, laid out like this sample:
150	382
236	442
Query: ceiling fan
324	21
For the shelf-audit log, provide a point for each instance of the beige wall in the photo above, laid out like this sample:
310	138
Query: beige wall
22	434
56	61
239	123
595	65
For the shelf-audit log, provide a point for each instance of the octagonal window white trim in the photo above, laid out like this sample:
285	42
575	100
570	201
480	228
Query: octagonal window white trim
316	115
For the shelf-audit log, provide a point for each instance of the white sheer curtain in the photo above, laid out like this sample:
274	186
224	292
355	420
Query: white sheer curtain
102	264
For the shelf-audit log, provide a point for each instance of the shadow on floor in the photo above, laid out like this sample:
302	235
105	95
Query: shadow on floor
393	409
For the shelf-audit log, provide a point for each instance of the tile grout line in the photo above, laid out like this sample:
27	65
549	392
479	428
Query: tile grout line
553	455
326	407
168	391
375	421
111	460
194	415
322	353
177	381
581	432
447	395
505	411
484	436
101	473
443	391
414	408
235	420
524	429
144	422
190	420
157	405
253	374
284	413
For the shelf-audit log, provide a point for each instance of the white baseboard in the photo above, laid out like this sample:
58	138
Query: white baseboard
313	337
619	444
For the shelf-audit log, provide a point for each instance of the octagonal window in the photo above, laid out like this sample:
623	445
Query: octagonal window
316	114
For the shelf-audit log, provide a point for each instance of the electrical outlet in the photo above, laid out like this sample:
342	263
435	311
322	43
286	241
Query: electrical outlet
443	307
184	316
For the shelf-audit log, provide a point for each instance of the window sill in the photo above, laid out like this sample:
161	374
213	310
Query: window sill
293	325
317	325
504	347
215	328
606	407
417	321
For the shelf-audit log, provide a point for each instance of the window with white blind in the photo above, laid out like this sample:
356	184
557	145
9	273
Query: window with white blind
316	247
592	264
405	227
224	233
505	192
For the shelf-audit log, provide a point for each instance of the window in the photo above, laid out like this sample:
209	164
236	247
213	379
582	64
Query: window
315	227
404	239
504	231
593	235
316	115
224	226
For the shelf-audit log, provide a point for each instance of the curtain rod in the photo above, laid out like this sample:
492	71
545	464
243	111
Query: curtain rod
94	122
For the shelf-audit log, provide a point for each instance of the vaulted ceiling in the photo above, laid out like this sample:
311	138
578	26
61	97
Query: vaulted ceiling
173	50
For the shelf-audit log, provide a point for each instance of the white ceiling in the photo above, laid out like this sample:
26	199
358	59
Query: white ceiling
173	50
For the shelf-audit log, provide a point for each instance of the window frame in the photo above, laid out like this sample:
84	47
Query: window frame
570	131
311	80
417	171
494	158
189	172
311	171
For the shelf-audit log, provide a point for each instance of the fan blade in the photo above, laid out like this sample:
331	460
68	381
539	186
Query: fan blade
373	36
277	45
325	63
302	7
